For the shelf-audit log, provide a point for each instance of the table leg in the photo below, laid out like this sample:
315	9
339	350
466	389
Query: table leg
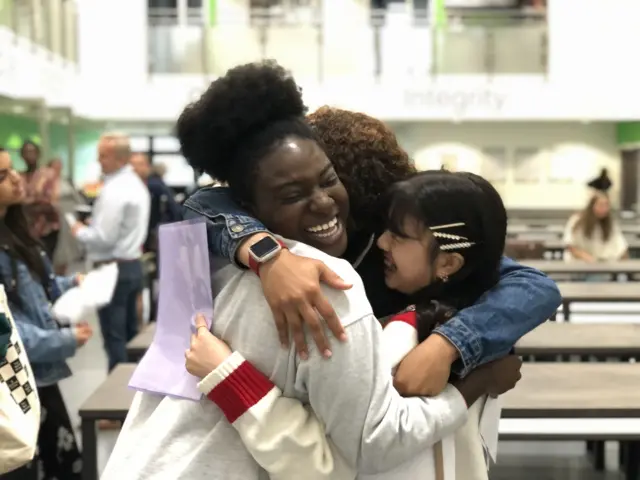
565	310
89	450
632	461
598	455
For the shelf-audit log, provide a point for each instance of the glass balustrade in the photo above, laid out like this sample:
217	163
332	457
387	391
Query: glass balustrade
6	14
49	24
385	45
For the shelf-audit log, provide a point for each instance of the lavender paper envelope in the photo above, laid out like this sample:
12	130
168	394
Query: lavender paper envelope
184	291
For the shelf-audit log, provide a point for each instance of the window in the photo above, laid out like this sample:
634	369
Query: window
163	4
140	144
166	145
179	173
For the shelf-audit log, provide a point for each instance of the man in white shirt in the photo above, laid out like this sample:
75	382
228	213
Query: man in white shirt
116	233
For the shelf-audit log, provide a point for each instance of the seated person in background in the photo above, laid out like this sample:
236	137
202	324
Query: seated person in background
594	235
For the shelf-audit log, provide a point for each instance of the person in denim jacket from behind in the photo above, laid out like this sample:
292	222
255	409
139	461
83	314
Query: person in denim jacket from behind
368	159
31	286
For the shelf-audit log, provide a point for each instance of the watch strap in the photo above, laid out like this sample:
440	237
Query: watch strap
254	265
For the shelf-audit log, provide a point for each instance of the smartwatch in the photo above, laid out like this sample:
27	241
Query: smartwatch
262	251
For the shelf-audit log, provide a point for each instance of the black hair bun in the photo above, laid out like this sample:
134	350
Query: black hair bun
234	107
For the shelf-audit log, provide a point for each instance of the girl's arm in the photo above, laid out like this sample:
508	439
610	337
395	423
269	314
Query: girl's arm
286	438
282	435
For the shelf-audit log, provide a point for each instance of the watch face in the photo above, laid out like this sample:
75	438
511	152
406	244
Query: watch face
264	247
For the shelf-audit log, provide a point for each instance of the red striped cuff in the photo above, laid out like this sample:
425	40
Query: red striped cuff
235	386
409	317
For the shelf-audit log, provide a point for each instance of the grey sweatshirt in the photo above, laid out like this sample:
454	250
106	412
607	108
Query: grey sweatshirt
374	428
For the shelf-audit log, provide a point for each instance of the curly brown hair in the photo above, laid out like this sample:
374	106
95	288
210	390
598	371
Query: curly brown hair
367	158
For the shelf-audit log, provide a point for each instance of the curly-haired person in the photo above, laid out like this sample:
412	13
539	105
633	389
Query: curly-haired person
367	157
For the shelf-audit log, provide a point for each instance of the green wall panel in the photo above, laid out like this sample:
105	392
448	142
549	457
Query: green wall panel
14	130
628	133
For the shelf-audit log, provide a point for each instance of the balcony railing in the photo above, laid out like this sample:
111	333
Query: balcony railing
50	24
385	45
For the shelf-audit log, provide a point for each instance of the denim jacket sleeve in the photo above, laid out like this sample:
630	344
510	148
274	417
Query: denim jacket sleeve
228	224
523	299
66	283
44	345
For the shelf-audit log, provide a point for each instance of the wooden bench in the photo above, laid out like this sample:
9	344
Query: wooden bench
599	340
553	401
597	292
111	401
137	347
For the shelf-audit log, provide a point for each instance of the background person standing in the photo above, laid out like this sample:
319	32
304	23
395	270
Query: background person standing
116	232
40	208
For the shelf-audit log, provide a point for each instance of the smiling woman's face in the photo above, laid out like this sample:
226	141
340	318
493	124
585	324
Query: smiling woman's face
298	195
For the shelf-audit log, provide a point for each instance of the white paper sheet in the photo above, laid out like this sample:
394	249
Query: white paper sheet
489	426
96	291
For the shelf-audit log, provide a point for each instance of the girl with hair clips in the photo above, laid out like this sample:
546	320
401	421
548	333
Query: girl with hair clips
248	129
27	276
367	158
442	246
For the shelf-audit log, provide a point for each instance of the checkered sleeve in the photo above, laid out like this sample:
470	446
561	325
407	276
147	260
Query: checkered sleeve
15	374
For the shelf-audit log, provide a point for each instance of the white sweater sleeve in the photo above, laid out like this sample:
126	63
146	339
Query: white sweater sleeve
283	436
370	425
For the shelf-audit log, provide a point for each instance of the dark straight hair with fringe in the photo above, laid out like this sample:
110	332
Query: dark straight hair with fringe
467	216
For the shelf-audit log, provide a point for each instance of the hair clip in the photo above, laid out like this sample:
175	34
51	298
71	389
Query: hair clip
447	225
456	246
449	236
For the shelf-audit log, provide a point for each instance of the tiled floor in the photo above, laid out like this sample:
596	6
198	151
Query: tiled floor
517	460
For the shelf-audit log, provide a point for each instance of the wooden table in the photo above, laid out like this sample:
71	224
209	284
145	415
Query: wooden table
597	292
137	347
575	390
546	391
111	401
557	247
545	227
582	391
598	340
629	267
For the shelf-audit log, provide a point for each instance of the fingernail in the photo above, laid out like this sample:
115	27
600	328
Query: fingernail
304	355
327	353
343	337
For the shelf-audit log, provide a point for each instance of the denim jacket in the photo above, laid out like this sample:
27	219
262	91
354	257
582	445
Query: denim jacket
523	298
47	345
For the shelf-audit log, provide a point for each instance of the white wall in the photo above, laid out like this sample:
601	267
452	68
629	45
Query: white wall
569	154
112	46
